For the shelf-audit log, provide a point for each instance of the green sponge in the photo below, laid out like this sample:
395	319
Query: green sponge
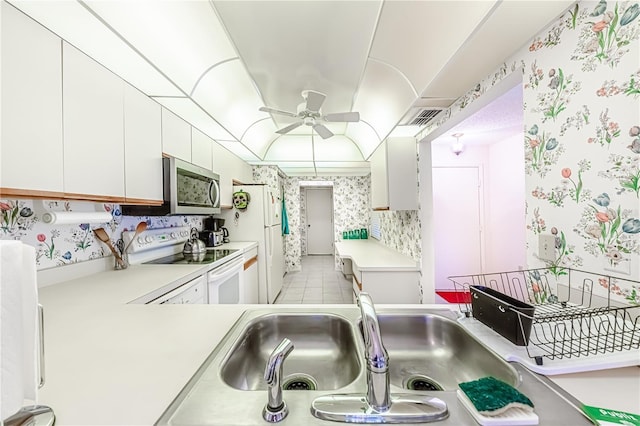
492	397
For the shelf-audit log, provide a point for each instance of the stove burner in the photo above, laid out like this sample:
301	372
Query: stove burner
209	256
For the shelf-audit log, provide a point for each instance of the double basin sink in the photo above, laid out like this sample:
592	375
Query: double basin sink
429	354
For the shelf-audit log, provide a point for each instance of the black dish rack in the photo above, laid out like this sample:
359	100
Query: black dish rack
555	312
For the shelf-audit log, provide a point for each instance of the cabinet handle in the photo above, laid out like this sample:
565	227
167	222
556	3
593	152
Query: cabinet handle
250	262
41	339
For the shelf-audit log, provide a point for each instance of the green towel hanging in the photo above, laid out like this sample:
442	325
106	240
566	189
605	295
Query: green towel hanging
285	219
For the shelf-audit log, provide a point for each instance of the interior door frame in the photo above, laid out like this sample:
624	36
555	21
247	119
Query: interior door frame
331	217
427	279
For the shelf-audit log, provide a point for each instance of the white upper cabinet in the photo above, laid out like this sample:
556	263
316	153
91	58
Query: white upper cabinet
394	175
201	149
143	147
31	106
93	117
230	168
176	136
379	181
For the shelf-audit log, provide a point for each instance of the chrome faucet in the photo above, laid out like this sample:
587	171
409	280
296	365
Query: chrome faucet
376	357
276	409
377	405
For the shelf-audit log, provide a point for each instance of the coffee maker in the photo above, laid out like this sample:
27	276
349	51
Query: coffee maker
214	234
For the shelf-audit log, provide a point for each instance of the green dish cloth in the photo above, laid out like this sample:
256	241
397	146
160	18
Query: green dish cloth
492	397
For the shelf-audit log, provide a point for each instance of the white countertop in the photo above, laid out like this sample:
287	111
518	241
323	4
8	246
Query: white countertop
113	363
371	255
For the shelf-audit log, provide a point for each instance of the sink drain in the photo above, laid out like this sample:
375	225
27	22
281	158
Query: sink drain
422	383
299	381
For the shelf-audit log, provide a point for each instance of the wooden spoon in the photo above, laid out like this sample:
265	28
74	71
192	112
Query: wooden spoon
104	237
141	227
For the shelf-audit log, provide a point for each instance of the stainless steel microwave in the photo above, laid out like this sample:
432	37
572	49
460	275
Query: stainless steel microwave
187	189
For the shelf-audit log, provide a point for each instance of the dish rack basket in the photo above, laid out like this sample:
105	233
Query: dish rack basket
555	312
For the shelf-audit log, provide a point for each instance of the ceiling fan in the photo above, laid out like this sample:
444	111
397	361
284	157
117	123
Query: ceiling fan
309	114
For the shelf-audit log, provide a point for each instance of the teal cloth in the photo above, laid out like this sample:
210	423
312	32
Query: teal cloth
285	219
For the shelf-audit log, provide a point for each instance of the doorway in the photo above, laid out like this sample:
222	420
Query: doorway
457	211
319	220
491	131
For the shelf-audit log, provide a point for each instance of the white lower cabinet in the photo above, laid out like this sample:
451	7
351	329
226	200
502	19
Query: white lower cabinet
251	288
387	286
193	292
357	287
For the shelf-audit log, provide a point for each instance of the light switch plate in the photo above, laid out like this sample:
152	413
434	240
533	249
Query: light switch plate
547	247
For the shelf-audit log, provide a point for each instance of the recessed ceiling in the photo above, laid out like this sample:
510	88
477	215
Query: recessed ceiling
215	63
497	121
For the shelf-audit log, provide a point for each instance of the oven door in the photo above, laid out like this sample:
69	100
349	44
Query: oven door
226	285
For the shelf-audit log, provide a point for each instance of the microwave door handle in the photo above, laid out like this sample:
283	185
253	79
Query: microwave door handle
214	185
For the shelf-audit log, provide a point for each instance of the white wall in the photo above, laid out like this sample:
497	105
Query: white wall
502	205
505	206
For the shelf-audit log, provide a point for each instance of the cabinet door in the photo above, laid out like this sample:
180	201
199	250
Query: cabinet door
93	127
402	173
201	149
176	136
143	147
222	165
379	181
31	106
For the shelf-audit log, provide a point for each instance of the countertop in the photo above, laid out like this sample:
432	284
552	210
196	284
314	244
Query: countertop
371	255
109	362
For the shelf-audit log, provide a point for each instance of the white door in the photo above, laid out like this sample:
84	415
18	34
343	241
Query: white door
456	220
319	220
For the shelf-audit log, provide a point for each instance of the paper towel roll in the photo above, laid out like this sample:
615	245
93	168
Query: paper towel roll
72	218
18	327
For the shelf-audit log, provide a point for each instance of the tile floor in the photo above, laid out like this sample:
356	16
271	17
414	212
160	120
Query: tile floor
317	282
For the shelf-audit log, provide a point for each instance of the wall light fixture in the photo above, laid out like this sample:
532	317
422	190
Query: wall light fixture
457	147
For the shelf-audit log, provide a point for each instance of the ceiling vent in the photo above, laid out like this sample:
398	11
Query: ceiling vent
420	115
424	116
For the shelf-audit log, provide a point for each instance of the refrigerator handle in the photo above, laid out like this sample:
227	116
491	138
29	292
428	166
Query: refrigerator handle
270	254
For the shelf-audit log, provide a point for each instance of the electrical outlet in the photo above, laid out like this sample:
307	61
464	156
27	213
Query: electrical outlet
547	247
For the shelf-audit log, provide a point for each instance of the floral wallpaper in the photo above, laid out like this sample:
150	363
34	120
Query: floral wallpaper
351	205
401	230
58	245
581	81
267	175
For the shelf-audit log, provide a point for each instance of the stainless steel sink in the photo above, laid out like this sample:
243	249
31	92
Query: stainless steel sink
429	352
325	355
228	388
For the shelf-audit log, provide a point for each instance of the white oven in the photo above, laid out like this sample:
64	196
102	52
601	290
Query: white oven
223	280
226	282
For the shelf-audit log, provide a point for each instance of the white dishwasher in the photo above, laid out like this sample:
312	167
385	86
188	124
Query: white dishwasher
191	292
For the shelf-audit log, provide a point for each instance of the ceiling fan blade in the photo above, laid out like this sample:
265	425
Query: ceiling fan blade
314	100
289	128
350	117
277	111
322	131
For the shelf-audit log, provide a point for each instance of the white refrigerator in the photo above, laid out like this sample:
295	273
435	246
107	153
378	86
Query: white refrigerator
261	222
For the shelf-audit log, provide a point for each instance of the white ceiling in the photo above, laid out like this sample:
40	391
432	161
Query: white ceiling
497	121
215	63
